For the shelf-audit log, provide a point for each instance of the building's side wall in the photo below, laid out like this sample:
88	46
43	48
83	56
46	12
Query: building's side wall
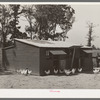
9	59
23	56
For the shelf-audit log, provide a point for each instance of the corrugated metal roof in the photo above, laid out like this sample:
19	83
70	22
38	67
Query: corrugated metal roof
57	52
44	43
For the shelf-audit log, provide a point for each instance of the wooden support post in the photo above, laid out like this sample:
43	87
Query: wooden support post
79	63
73	58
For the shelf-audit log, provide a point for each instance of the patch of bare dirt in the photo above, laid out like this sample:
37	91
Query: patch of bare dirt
80	81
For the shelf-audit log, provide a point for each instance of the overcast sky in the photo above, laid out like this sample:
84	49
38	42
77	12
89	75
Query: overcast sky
83	14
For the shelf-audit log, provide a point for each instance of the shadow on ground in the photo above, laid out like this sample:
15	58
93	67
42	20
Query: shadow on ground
6	73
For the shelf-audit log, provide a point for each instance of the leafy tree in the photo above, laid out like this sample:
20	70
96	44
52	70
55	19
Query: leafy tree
9	15
49	16
94	47
15	13
4	28
90	36
28	13
5	17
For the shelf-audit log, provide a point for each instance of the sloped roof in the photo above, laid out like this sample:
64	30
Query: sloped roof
87	47
45	43
88	51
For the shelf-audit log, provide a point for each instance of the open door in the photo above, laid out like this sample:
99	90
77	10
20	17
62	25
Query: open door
62	62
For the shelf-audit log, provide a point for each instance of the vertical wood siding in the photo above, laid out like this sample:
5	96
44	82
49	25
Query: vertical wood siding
47	62
23	56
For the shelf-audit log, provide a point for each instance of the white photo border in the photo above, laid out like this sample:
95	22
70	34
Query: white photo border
50	93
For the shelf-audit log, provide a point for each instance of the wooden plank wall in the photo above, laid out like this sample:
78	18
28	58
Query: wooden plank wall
23	56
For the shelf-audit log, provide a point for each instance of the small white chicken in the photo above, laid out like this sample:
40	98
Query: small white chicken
61	71
29	72
55	71
67	72
79	69
96	71
47	72
24	72
18	71
73	70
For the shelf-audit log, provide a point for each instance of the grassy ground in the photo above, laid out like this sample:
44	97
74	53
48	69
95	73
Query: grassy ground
80	81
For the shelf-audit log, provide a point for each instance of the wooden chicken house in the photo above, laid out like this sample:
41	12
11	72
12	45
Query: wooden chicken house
41	55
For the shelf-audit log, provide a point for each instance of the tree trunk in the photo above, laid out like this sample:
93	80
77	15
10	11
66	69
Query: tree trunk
31	29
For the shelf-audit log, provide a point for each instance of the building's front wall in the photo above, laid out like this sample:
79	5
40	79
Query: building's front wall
87	63
86	60
46	61
23	56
